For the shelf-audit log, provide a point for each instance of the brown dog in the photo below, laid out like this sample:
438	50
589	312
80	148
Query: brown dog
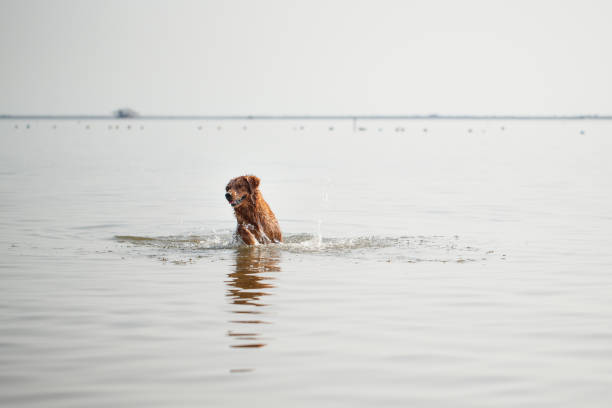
256	221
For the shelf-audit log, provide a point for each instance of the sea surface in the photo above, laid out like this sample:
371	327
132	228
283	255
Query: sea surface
426	263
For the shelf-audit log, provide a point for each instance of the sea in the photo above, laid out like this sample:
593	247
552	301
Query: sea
425	263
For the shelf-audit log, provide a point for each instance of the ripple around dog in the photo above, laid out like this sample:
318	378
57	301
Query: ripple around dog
400	249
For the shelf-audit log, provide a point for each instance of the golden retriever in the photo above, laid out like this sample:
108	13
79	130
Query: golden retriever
256	221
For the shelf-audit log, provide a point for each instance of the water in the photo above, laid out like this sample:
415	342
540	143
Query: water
465	265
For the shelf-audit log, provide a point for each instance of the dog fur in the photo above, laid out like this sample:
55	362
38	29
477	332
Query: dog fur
256	221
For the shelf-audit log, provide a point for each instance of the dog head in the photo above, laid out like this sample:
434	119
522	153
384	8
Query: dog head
241	189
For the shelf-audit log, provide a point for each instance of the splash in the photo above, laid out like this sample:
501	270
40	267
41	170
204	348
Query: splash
381	248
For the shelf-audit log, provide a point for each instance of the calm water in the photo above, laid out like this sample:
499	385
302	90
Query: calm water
430	264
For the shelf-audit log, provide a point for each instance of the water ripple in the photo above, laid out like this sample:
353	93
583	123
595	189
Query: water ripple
409	249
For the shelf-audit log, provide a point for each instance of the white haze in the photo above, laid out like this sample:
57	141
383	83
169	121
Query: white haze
307	57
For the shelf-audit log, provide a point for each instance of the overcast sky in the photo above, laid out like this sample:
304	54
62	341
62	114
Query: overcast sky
306	57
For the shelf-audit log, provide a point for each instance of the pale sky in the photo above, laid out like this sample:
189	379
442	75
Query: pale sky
306	57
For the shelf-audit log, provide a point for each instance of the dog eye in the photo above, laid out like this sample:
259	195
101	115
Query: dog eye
227	188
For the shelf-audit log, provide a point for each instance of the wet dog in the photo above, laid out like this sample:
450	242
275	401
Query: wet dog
256	221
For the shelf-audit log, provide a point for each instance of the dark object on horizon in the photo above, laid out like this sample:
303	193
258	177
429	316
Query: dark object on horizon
125	113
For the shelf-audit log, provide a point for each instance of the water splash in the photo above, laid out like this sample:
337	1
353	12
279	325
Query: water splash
319	234
381	248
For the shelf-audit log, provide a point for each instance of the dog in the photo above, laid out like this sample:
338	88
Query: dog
256	221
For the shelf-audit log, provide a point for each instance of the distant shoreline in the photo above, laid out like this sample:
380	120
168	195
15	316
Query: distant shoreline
308	117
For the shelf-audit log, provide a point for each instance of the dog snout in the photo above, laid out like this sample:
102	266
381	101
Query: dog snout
228	196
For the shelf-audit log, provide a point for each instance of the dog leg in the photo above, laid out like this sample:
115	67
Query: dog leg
246	235
262	237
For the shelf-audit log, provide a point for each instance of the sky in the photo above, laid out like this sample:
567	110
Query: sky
306	57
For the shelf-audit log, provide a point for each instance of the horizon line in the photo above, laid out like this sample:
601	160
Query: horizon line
310	117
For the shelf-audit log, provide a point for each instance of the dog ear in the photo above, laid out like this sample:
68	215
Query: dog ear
253	183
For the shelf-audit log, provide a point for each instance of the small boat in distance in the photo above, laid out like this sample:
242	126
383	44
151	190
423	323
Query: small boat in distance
125	113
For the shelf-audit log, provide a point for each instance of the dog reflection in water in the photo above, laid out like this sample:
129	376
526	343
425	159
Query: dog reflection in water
248	285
